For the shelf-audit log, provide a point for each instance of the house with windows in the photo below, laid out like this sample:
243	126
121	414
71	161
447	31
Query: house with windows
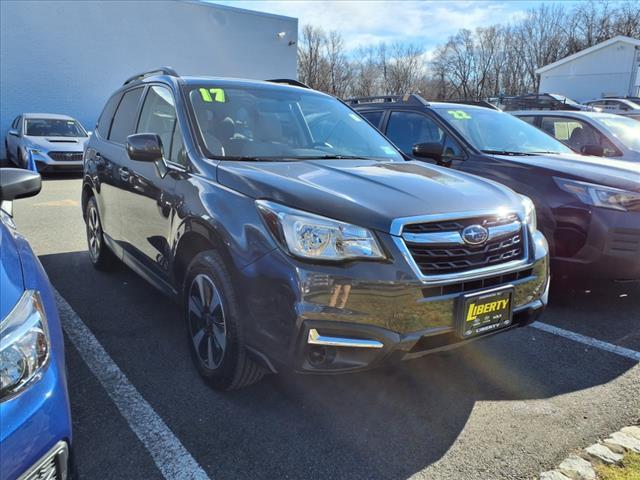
68	57
608	69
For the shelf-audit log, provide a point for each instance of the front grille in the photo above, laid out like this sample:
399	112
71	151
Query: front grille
434	258
66	156
481	283
457	225
52	466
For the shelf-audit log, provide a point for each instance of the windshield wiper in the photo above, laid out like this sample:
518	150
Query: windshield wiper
507	152
259	159
329	157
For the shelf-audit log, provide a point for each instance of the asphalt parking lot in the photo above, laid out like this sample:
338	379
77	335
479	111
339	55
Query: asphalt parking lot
506	407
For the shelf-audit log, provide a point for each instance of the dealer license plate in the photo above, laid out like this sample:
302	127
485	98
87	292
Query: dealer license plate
485	312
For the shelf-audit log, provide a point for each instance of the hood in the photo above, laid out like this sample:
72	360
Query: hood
602	171
10	270
67	144
364	192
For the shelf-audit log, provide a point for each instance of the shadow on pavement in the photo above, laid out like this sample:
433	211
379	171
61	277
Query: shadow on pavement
387	423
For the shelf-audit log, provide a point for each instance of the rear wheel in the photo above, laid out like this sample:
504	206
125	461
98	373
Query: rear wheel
212	317
101	256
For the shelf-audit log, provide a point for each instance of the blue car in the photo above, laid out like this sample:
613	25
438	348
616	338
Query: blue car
35	420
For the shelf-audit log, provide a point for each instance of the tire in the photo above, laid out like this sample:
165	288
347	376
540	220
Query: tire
212	321
100	254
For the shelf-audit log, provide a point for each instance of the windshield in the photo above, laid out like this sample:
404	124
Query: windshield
491	131
272	123
53	127
627	130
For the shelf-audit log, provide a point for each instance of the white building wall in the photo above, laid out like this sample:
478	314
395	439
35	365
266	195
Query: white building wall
69	56
608	71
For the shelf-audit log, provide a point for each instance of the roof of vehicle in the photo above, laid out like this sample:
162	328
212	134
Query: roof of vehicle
52	116
566	113
627	101
168	74
242	82
409	100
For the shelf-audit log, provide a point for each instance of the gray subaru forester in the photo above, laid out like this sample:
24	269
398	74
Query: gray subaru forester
295	235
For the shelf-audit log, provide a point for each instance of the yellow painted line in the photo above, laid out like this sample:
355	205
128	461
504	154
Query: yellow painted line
58	203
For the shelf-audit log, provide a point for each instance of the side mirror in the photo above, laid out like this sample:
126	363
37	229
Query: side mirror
18	183
432	151
14	132
595	150
144	147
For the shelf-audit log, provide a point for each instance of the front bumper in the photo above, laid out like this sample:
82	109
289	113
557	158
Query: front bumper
52	166
44	163
381	303
606	244
33	423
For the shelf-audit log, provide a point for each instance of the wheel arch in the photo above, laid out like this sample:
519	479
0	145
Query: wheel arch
87	193
196	237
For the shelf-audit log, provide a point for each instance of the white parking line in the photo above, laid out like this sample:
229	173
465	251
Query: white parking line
592	342
170	456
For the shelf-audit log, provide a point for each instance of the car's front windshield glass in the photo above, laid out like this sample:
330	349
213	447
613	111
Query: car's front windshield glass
627	130
53	127
491	131
274	123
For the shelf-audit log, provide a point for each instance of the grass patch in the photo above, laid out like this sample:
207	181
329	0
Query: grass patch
629	470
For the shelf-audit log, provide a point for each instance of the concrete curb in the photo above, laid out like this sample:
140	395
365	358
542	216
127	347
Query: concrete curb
581	466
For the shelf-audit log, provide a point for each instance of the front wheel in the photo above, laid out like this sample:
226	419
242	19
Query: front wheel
212	317
101	256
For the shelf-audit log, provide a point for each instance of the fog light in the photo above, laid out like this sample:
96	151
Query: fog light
319	355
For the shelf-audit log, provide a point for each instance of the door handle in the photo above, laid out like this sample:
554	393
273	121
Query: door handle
124	173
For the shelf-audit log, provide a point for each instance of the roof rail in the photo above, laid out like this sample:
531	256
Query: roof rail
410	98
475	103
288	81
163	70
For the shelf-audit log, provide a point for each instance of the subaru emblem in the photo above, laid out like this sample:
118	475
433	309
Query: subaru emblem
475	234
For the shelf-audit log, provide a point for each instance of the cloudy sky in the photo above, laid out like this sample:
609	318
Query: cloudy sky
427	23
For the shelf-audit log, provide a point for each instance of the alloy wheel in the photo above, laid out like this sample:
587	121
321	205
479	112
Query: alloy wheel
94	233
206	318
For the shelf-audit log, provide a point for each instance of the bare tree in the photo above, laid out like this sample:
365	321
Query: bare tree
487	62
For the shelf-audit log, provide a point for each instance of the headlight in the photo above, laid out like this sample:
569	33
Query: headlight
529	213
24	344
35	152
314	237
600	195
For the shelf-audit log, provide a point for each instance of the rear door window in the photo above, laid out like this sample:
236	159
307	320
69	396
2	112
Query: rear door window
104	122
374	118
124	121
